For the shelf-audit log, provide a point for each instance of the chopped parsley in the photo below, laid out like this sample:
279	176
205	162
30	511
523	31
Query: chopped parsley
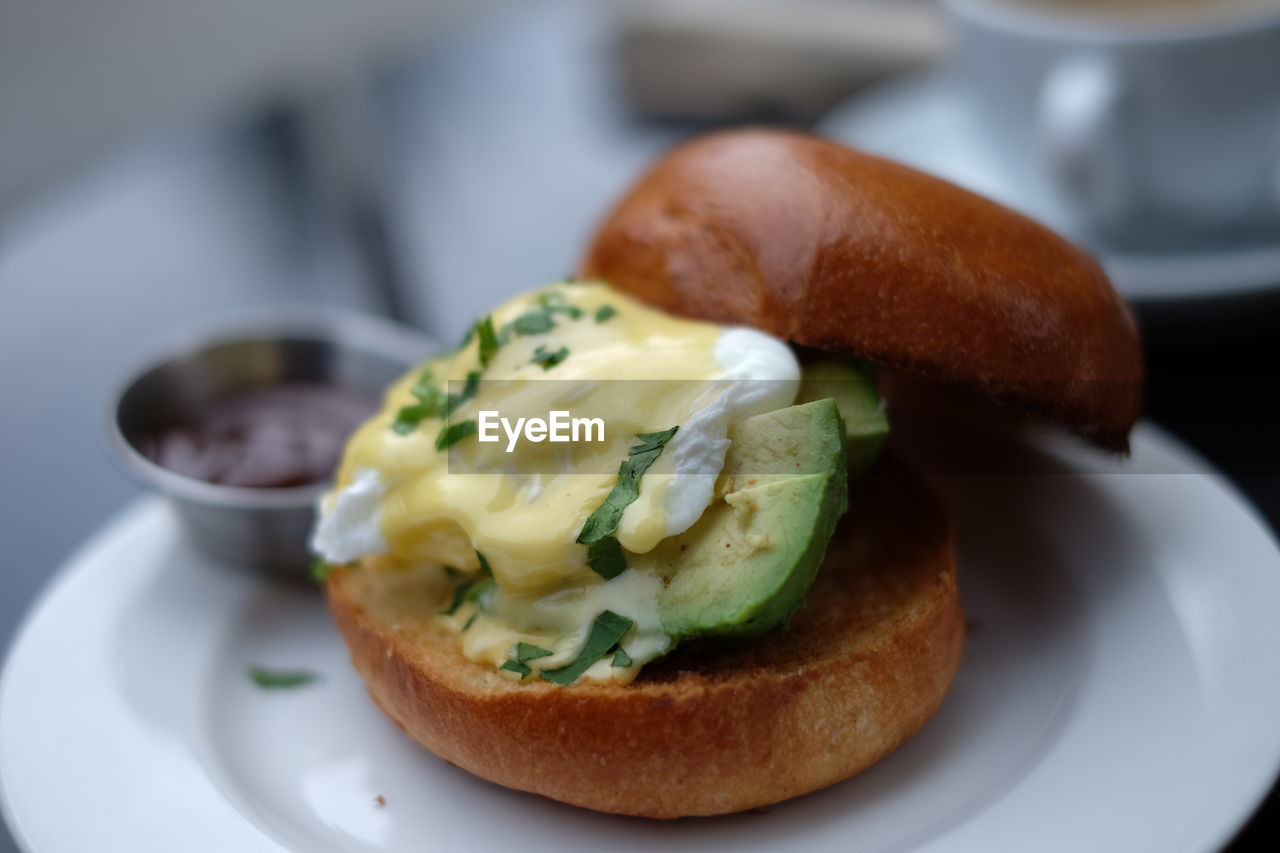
471	620
468	392
528	651
453	433
277	679
432	402
533	323
480	590
518	668
467	590
573	312
604	553
547	358
606	631
435	403
488	339
484	565
408	418
621	658
605	557
554	302
540	320
424	389
604	312
459	595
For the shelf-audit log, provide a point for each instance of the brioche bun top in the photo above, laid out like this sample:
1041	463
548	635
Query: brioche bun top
832	248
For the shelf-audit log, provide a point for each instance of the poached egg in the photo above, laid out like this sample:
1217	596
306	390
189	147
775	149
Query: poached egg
418	490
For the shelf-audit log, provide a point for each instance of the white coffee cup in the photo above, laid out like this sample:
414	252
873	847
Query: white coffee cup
1155	130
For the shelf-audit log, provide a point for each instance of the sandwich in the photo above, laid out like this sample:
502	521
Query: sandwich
721	586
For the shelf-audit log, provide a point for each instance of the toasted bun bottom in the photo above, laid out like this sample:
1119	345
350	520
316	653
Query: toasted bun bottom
703	731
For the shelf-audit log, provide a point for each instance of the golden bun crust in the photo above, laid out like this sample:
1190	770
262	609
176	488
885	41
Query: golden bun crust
703	731
828	247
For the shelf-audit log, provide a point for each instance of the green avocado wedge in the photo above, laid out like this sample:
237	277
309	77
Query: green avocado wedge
744	568
852	386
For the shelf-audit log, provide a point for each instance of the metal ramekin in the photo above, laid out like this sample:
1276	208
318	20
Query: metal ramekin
262	528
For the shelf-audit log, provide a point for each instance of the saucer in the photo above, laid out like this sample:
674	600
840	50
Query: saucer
926	122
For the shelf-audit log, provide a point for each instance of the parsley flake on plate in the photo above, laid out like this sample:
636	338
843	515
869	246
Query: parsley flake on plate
280	679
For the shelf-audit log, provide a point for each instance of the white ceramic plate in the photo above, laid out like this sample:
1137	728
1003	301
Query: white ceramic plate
926	122
1120	691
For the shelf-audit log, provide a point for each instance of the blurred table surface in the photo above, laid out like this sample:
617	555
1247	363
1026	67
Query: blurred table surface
507	143
75	75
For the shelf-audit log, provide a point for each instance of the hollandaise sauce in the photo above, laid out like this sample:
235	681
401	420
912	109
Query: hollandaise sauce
533	532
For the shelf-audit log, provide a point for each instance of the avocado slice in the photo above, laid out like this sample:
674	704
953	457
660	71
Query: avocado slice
852	386
744	568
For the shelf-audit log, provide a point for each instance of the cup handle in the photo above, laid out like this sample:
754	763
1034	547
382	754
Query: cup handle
1080	118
